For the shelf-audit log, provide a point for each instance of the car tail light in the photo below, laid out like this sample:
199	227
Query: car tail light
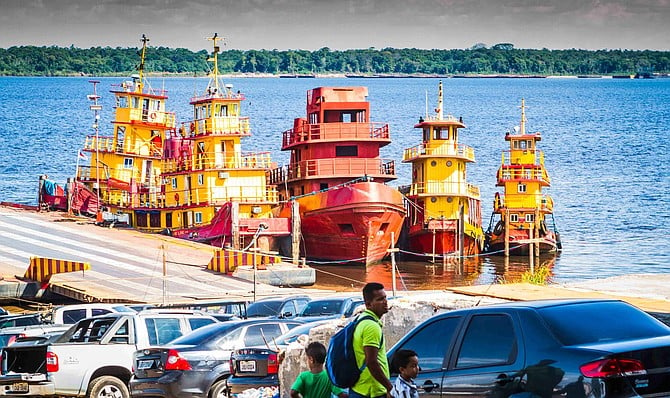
613	367
52	362
273	364
176	362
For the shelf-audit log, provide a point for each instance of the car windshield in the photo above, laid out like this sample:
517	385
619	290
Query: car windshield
323	307
594	322
123	308
263	308
205	333
293	334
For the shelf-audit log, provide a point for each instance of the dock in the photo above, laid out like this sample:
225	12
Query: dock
125	265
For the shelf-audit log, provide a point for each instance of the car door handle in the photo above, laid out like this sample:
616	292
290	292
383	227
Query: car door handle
503	379
428	386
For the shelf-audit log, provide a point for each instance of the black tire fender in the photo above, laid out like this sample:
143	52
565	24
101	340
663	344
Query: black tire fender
107	387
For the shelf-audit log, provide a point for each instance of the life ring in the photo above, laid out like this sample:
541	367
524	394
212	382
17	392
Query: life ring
152	115
176	197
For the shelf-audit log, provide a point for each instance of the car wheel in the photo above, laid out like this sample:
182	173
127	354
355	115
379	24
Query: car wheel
107	387
219	390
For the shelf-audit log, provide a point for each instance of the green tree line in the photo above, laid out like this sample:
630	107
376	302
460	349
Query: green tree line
501	58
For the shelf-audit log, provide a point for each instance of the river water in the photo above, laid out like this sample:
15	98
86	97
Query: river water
605	143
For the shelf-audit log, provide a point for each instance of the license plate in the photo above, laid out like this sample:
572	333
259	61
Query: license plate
145	364
247	366
19	387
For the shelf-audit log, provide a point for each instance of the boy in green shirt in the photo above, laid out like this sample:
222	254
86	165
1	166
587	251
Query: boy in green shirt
315	383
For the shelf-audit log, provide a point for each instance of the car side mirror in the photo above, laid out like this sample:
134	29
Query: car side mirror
287	314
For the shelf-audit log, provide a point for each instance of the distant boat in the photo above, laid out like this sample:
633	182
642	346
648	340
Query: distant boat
444	213
347	212
522	215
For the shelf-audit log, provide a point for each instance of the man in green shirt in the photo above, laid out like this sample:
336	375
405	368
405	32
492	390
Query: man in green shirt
370	348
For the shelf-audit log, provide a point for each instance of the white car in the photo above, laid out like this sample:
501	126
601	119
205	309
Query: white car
70	314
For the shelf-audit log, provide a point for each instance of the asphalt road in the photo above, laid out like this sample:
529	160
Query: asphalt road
125	264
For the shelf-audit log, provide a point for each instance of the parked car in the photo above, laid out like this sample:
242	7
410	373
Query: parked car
94	357
10	335
258	366
568	348
70	314
278	307
198	364
329	308
13	320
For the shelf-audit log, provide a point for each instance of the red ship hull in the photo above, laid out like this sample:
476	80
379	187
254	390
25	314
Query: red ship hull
440	242
219	232
351	224
518	243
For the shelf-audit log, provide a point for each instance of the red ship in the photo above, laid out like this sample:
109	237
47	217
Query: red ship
348	214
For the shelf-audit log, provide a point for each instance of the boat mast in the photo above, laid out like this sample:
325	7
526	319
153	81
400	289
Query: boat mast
440	105
140	84
214	75
96	107
523	116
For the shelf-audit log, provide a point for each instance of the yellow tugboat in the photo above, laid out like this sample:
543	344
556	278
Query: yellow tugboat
125	168
193	182
522	215
214	192
444	215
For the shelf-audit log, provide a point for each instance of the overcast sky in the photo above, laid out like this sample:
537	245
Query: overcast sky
338	24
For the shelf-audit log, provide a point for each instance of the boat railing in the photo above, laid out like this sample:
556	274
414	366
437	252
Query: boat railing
157	117
521	157
542	202
445	150
209	160
455	188
212	195
342	167
102	143
336	132
217	125
218	94
523	173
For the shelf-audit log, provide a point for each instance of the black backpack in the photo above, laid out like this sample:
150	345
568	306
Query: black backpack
340	359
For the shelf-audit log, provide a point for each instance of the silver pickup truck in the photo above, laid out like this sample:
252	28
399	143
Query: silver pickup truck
94	357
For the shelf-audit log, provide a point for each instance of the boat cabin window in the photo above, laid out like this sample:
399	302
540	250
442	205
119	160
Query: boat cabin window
440	133
530	217
521	188
136	102
128	163
513	218
313	118
348	150
201	179
122	102
198	217
174	183
221	110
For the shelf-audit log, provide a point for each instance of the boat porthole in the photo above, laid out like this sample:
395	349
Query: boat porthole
448	163
450	199
433	163
433	199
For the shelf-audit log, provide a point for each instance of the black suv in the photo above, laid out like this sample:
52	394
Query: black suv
277	307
